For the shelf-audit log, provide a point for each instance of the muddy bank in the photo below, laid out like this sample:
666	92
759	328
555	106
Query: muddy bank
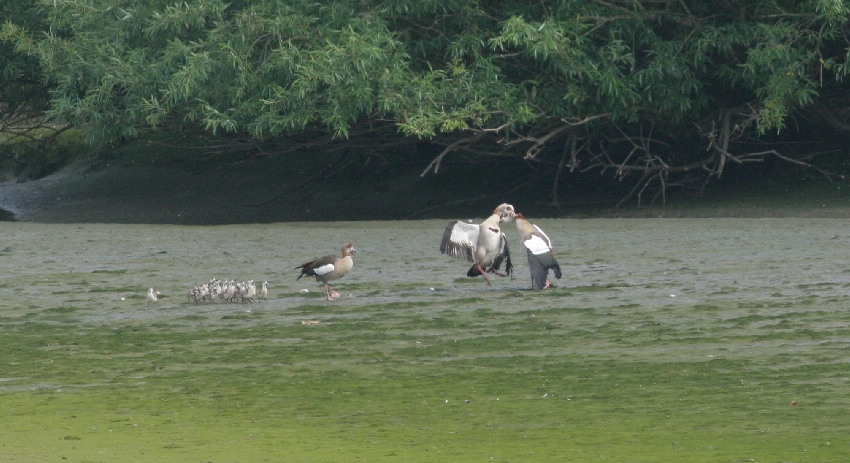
256	190
279	189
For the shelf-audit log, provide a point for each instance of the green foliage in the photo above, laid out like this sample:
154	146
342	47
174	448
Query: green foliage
22	91
267	68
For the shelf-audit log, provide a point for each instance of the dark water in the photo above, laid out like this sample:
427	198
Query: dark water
6	216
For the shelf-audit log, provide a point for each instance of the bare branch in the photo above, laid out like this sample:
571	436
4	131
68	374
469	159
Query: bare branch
455	146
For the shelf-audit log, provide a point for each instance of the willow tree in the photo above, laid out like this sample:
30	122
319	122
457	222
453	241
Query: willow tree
654	92
23	92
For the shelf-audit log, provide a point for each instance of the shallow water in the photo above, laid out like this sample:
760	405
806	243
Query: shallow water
746	313
658	270
647	262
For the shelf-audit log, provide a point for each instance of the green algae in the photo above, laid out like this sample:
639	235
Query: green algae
589	371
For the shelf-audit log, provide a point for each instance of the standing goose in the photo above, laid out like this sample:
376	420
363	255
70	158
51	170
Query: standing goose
329	268
484	244
539	250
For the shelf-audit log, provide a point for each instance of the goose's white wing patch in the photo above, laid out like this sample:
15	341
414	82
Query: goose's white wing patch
537	245
324	269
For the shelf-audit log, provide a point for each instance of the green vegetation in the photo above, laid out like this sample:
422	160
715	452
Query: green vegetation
24	90
658	94
445	383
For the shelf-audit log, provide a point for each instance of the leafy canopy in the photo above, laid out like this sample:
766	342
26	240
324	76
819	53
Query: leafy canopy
533	76
23	94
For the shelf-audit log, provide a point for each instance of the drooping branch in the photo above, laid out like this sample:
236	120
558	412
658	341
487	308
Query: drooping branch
457	145
649	159
19	122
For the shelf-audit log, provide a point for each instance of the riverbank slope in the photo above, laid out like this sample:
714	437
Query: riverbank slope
262	189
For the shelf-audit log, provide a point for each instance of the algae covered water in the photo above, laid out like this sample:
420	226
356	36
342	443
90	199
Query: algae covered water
666	340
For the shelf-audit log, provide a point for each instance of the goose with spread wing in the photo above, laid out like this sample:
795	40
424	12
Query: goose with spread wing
482	244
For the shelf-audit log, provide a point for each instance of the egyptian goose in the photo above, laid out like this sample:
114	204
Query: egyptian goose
539	250
329	268
483	244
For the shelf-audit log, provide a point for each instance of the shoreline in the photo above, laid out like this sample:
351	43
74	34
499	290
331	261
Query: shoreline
265	191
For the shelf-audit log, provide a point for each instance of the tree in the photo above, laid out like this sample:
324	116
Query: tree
657	93
23	93
641	89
